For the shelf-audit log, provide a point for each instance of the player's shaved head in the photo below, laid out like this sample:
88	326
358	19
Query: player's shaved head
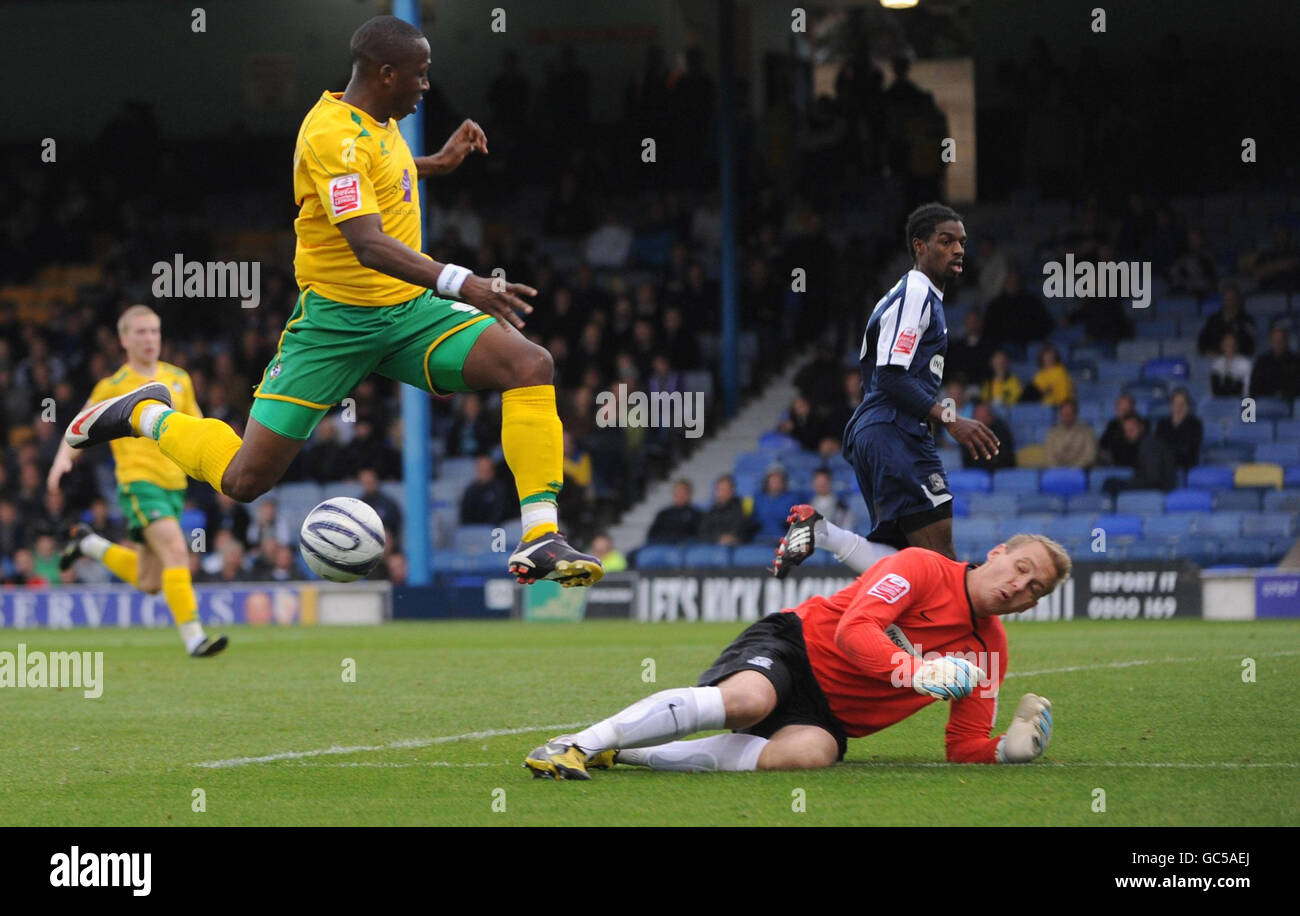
384	40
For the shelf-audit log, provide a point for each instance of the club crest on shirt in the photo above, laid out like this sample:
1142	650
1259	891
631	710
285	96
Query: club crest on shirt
890	588
275	370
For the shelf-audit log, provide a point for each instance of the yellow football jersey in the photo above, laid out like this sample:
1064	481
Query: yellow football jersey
139	458
347	164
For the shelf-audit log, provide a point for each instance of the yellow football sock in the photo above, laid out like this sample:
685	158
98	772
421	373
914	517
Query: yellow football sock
178	592
123	562
201	448
533	441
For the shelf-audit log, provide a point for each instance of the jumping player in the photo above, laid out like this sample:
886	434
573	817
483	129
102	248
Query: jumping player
370	301
150	489
888	440
793	687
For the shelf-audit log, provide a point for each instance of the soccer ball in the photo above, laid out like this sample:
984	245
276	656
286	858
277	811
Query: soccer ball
342	539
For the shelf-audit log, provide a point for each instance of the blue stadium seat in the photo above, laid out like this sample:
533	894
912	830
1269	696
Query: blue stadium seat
1225	525
960	505
752	556
1098	476
970	551
1287	430
1228	453
461	469
1140	502
1063	481
1147	389
1082	370
1041	414
1202	551
1015	480
1214	409
1093	502
1182	345
1048	503
1189	500
1280	500
1272	409
1235	500
1278	452
659	556
1120	526
1070	527
1268	524
773	441
754	462
1029	524
748	482
1209	477
1291	476
1157	329
1168	527
1168	368
993	504
984	530
799	466
1182	306
1093	351
1147	550
195	518
707	555
1264	306
972	480
1247	552
1137	351
1259	431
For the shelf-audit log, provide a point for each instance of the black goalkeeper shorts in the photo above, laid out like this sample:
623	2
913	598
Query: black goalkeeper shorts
774	647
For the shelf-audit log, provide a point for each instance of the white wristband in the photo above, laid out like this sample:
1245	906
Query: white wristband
451	279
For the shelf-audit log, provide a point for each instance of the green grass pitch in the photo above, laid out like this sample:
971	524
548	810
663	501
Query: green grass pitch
434	729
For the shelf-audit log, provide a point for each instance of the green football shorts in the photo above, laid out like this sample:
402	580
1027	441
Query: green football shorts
144	503
328	347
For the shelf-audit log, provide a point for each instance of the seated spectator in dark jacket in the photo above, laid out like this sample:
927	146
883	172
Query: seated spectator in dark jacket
1153	467
772	505
1017	315
1230	371
487	501
725	522
1277	372
678	523
389	512
1181	430
227	515
968	356
1006	456
1231	318
473	430
803	424
1194	272
1278	266
1116	450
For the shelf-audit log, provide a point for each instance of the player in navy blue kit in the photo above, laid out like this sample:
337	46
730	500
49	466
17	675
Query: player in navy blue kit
889	441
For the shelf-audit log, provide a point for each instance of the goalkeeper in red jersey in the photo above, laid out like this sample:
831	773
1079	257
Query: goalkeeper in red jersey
913	628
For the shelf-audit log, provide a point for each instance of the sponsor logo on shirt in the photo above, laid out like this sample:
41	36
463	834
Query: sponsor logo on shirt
936	366
890	588
936	483
761	661
345	194
406	186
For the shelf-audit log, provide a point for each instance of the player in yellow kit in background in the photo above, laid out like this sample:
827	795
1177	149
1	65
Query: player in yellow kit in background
371	301
150	488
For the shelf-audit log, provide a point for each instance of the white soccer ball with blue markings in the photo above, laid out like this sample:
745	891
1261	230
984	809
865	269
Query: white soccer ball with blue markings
342	539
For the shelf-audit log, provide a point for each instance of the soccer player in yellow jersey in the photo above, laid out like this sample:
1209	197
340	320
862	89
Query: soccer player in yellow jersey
370	301
150	488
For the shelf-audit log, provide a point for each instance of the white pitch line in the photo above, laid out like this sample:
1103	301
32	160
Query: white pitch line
380	763
501	732
390	746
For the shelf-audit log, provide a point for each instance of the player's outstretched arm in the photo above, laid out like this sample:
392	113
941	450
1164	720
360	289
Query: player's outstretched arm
62	460
1029	732
379	251
467	138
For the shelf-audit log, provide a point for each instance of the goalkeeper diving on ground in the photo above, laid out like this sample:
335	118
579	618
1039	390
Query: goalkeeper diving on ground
914	628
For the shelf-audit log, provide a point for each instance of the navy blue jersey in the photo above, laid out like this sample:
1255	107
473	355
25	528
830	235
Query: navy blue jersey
906	328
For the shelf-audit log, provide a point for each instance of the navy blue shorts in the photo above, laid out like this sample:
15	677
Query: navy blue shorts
901	477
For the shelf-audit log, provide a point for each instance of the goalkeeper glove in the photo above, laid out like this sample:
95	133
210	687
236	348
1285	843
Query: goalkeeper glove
948	678
1029	732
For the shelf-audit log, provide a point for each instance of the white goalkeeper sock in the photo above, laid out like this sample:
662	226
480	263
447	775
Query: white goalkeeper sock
730	753
94	546
850	548
667	714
